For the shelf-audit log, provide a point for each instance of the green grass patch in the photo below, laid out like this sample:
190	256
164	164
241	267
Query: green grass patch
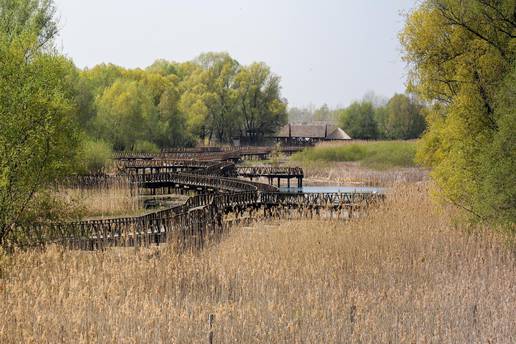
378	155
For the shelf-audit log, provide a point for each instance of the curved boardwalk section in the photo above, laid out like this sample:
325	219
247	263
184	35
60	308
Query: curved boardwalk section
220	201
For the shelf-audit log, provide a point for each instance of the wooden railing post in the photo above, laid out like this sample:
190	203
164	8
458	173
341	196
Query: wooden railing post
211	319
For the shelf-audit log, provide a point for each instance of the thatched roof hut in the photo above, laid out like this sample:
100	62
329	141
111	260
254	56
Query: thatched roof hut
311	132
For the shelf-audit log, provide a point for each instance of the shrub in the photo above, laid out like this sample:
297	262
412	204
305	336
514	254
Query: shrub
142	146
95	156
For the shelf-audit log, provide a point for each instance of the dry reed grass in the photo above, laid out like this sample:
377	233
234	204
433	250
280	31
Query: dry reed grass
351	173
403	274
104	201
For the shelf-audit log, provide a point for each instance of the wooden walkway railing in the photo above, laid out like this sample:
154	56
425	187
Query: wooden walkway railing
211	153
272	173
201	217
192	223
269	171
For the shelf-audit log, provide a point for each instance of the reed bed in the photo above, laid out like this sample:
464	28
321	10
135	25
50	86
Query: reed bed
405	273
105	200
352	173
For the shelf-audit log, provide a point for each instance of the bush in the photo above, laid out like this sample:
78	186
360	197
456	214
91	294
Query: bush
48	207
378	155
95	156
145	147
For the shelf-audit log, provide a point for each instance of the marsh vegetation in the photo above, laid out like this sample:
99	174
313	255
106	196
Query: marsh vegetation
435	262
407	272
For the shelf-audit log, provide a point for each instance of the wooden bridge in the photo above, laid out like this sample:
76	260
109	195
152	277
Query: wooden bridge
220	201
272	173
157	165
201	217
234	154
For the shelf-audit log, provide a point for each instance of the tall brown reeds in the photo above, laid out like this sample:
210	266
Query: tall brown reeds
351	173
405	273
117	199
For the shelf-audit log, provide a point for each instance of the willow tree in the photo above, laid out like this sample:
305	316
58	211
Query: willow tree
462	59
403	118
209	97
260	108
37	133
359	121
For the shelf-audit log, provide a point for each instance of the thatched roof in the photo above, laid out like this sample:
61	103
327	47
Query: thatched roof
321	131
338	134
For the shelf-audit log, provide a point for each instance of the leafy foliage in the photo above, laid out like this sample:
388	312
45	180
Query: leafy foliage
462	58
358	120
38	136
398	118
95	156
175	104
260	107
403	118
29	17
142	146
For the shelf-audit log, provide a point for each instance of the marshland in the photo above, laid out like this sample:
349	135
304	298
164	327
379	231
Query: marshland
201	201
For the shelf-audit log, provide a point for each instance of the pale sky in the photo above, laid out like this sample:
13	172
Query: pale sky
326	51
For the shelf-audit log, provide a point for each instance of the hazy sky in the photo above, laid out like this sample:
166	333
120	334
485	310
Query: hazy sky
326	51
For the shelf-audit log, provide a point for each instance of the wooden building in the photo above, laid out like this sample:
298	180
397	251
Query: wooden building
310	133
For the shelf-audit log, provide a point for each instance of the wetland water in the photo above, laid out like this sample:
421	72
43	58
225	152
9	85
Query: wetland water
331	189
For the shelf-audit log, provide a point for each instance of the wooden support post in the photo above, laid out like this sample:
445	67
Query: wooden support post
211	318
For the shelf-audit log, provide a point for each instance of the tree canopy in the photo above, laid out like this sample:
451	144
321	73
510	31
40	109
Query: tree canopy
38	135
358	120
403	118
462	59
373	117
212	98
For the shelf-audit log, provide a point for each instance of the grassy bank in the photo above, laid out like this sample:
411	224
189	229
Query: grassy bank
376	155
403	274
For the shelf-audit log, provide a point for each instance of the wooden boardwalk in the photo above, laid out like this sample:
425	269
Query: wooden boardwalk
212	153
272	173
157	165
204	215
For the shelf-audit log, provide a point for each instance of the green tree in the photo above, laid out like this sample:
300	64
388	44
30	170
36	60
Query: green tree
91	84
94	156
380	117
36	18
218	75
196	111
163	67
462	56
124	112
38	137
260	108
358	120
142	146
173	123
403	118
173	104
210	98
